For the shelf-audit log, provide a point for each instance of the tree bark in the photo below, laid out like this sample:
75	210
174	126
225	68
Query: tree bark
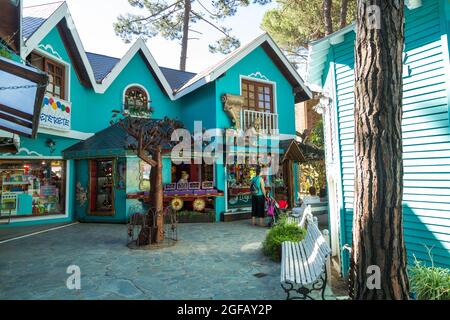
343	14
184	40
377	222
328	22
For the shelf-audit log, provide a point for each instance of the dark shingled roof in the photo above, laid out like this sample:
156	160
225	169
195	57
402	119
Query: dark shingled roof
107	141
176	78
101	64
35	16
112	141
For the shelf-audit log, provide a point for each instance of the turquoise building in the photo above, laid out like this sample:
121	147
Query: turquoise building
425	127
79	169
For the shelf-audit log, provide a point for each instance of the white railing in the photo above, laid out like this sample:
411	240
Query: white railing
268	122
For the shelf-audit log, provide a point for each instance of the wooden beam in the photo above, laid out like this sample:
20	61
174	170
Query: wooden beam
16	112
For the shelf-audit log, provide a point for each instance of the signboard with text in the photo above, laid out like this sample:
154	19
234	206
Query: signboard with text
56	114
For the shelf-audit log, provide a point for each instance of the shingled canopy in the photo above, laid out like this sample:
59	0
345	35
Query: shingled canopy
110	142
300	152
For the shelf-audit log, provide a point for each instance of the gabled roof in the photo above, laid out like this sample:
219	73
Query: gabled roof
43	18
35	16
102	66
99	71
212	73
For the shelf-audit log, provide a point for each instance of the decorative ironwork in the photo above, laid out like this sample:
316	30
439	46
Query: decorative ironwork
142	227
304	293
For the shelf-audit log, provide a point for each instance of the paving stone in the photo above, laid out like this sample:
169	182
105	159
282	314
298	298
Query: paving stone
211	261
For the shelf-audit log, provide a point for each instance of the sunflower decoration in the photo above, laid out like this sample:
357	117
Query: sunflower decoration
199	204
177	204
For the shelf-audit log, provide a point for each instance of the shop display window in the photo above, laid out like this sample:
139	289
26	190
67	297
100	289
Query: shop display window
101	191
32	187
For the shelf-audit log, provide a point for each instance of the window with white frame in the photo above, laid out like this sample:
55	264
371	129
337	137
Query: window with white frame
136	101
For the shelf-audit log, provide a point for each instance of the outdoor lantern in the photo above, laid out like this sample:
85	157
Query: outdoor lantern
22	90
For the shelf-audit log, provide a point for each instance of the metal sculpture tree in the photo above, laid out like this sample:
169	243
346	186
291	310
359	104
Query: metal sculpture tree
148	138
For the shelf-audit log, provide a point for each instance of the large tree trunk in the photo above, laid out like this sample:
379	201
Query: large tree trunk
343	14
328	23
377	223
184	40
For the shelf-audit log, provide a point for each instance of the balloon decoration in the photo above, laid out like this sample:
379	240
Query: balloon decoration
56	105
177	204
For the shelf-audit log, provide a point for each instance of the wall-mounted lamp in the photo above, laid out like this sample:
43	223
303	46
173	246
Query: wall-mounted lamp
51	145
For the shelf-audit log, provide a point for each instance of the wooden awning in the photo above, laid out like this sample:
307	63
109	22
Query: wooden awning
300	152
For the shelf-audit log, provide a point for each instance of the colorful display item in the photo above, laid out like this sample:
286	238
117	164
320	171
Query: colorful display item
56	104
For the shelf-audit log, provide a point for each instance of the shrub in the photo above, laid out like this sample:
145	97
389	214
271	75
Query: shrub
429	282
281	232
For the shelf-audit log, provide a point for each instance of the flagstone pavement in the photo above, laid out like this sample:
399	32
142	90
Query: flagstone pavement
210	261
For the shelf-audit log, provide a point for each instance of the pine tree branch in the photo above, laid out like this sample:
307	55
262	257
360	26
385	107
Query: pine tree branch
157	13
210	23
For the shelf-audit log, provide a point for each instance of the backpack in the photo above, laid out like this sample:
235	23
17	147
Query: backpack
253	188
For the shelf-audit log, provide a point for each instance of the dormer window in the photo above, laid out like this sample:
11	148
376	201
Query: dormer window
56	74
136	101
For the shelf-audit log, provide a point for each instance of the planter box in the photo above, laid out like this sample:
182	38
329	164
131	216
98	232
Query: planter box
196	217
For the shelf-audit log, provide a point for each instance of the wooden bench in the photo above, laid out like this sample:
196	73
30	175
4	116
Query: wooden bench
303	264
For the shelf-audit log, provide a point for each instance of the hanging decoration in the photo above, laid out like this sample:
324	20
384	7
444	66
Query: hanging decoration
177	204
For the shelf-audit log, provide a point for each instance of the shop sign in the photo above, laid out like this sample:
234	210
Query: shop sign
241	200
56	114
207	185
182	185
194	185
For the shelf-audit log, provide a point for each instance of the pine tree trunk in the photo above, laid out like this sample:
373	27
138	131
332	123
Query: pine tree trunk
328	23
377	222
343	14
184	40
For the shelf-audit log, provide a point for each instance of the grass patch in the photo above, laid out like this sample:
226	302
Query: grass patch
429	282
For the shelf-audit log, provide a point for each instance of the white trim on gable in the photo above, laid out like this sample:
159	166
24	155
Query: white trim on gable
139	45
235	57
62	12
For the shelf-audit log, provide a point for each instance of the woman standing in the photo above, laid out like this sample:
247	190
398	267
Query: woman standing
258	191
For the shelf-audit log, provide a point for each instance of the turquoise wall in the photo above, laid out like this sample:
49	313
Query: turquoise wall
85	102
425	127
92	112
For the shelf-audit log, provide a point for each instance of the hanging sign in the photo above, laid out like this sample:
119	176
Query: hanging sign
56	114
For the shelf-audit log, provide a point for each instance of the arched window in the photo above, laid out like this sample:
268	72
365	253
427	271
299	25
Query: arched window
136	100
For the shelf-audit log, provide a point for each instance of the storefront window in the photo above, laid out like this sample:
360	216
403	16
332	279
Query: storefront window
101	192
238	180
32	187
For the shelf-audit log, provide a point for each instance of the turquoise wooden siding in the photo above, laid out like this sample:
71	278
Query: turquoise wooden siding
426	132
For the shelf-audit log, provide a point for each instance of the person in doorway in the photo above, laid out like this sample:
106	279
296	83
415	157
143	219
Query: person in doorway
258	190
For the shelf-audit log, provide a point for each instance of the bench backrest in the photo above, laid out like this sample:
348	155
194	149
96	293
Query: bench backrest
303	261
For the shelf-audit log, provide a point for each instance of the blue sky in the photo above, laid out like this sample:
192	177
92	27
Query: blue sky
94	19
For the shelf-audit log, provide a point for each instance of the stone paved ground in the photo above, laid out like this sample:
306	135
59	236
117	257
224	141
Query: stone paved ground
211	261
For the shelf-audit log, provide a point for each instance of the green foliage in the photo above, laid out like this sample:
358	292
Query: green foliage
316	136
293	24
429	282
166	18
279	233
